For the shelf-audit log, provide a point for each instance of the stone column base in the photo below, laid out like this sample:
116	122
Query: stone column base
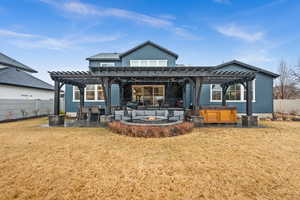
104	119
249	121
197	120
56	120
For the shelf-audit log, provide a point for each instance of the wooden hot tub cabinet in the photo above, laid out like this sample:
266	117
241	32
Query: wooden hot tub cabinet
218	114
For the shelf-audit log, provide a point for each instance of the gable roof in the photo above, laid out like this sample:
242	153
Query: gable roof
12	76
251	67
105	56
7	61
149	43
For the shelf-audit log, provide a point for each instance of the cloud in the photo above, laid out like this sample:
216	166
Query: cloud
232	30
88	10
222	1
8	33
185	34
255	56
25	40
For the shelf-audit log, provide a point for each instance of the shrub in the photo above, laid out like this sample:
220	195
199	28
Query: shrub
150	131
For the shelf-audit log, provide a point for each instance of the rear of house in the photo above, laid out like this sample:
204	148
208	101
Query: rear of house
169	94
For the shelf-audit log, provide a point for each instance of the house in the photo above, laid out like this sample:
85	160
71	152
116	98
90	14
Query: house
16	82
148	75
19	89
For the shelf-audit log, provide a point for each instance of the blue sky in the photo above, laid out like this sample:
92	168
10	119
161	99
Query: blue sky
60	34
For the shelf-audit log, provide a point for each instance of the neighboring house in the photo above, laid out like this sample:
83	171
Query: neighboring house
149	54
16	82
18	86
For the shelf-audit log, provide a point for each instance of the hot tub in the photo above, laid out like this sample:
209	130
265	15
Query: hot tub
218	114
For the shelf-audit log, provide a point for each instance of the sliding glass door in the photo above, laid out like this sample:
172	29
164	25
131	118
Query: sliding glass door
148	94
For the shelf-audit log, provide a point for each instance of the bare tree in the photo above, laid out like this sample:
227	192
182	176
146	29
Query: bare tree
296	72
285	85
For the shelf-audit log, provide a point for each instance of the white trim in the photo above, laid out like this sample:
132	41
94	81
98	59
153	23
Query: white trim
242	94
85	100
111	64
138	63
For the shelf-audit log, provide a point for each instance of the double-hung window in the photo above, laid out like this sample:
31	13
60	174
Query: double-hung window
234	93
91	93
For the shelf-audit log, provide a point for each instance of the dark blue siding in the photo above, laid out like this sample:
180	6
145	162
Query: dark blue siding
71	106
263	94
148	52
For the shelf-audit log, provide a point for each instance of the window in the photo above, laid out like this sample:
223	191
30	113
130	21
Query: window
235	93
148	63
91	93
148	94
76	93
108	64
216	92
100	92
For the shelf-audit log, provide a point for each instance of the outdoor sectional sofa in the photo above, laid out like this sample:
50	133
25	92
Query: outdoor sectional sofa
140	114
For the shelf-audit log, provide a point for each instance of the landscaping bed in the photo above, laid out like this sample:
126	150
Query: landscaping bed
152	130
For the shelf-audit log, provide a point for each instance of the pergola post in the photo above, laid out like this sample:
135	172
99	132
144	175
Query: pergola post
184	95
249	98
198	87
56	98
81	101
224	90
249	120
107	95
121	94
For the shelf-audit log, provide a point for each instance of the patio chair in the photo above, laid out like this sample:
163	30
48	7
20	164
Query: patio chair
121	115
178	115
95	111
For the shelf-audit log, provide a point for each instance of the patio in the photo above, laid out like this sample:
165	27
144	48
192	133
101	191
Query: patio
93	163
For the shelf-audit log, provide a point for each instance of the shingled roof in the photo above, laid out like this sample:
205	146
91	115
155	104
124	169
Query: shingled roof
105	56
15	77
251	67
7	61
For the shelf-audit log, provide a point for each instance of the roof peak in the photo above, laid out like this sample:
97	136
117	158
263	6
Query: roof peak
237	62
117	56
150	43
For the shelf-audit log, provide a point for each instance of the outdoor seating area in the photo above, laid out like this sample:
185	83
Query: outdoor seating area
158	88
130	115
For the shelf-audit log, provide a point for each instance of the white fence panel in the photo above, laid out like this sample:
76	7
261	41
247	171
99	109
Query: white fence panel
20	108
287	105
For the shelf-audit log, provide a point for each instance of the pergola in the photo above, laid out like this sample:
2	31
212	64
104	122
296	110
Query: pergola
193	75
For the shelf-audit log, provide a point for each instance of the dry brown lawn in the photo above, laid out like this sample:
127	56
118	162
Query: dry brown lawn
93	163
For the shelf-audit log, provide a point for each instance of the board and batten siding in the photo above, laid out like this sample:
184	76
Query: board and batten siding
73	106
148	52
263	93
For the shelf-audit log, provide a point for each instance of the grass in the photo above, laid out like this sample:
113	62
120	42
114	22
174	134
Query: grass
93	163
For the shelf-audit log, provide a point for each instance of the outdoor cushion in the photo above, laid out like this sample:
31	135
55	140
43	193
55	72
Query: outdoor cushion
162	113
140	113
150	113
119	112
178	112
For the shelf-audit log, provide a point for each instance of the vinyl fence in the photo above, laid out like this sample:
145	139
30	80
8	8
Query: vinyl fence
17	108
287	105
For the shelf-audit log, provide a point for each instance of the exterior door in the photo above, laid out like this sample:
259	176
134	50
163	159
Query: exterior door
148	94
